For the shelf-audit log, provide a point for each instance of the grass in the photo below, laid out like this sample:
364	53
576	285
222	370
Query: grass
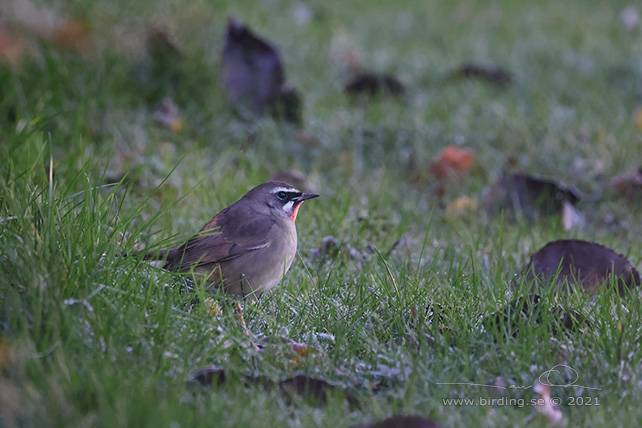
89	337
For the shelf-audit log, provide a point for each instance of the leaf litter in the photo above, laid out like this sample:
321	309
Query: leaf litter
372	84
254	76
592	265
528	195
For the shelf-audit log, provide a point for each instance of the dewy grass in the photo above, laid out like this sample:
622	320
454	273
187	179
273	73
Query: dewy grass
90	335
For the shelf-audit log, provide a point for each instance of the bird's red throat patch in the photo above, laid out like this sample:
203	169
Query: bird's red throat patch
295	211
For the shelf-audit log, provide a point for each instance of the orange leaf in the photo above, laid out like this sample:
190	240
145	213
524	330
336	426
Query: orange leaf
452	161
72	34
11	47
637	119
460	206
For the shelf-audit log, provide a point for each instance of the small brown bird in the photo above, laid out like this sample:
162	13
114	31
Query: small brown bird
248	247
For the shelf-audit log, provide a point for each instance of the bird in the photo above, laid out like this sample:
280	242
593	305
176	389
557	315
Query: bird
247	248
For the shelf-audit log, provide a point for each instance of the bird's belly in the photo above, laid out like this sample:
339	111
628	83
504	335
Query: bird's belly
257	272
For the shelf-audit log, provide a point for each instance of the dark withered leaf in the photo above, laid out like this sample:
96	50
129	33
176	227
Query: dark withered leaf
254	77
288	106
403	422
163	48
374	84
586	263
329	246
162	74
527	195
529	309
207	376
494	75
168	114
629	184
316	389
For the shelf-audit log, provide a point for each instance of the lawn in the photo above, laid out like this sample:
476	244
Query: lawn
396	315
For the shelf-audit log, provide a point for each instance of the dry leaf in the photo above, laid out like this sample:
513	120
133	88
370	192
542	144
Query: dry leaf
163	47
212	306
6	353
546	406
527	195
637	118
12	47
530	309
373	84
571	217
307	139
628	184
73	34
461	206
11	404
494	75
317	389
301	351
588	263
169	115
403	422
329	246
452	161
208	376
254	77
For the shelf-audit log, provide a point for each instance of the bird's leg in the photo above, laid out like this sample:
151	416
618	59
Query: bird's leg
239	311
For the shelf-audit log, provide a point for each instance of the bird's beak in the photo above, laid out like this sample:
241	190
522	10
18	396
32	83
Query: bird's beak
305	196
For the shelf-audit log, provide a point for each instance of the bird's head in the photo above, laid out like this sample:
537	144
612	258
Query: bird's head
280	198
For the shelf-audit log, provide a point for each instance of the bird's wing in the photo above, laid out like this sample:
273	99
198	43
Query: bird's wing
215	244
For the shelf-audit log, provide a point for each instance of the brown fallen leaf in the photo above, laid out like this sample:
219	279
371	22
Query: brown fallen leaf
168	114
288	106
530	309
317	389
254	76
26	25
403	422
350	60
291	351
452	162
373	84
494	75
208	376
587	263
307	139
162	46
461	206
11	385
12	46
527	195
6	353
571	217
637	118
212	307
329	246
301	351
546	406
73	34
628	184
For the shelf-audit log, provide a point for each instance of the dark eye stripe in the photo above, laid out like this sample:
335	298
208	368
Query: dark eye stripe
292	195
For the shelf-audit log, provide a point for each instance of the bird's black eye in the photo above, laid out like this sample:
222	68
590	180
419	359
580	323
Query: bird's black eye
282	195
